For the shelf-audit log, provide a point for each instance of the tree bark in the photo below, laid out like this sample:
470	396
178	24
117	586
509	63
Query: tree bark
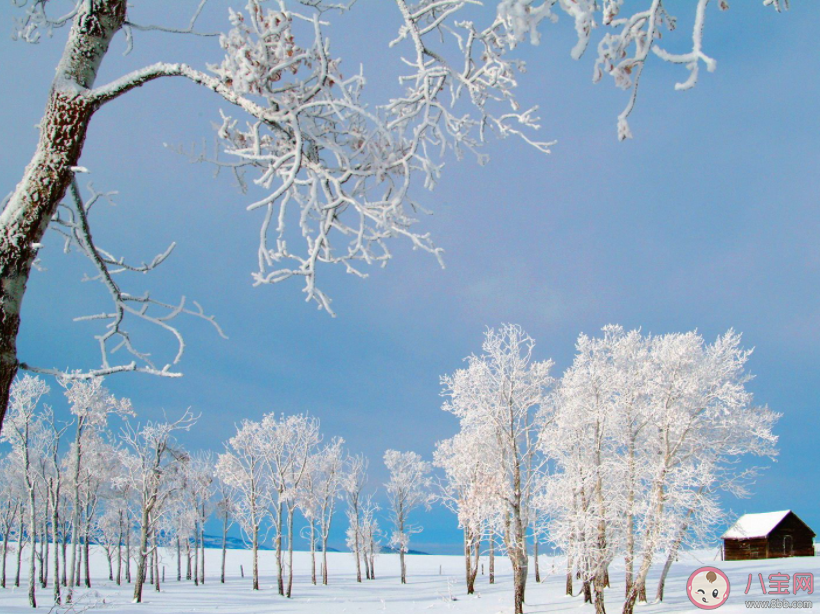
63	130
224	546
19	548
290	551
492	558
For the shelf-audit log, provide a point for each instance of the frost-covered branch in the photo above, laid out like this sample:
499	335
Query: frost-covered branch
72	222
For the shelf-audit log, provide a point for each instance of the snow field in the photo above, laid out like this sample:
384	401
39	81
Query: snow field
433	582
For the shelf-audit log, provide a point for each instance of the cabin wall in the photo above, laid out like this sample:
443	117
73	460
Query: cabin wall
745	549
802	538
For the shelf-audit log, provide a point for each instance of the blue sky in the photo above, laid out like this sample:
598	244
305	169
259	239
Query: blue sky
707	220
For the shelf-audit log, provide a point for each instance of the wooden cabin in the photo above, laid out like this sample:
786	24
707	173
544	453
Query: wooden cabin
768	536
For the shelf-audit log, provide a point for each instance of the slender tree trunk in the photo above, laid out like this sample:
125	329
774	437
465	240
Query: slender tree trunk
313	551
202	545
568	590
188	573
6	531
79	566
151	564
55	523
196	553
224	547
280	580
19	548
86	547
32	519
119	550
109	554
324	559
673	553
128	551
366	563
492	558
179	560
290	551
64	553
256	557
535	558
155	558
44	547
357	544
372	560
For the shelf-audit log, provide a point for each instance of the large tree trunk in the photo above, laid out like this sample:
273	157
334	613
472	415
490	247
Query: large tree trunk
142	556
47	177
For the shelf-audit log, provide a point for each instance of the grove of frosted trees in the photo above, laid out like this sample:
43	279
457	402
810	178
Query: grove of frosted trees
623	456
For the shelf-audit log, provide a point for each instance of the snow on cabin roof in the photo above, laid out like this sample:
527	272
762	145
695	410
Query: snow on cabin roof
755	525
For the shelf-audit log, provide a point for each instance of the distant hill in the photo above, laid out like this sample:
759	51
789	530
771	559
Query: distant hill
237	543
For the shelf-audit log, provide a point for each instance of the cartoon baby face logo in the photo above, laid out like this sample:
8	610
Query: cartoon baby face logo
708	588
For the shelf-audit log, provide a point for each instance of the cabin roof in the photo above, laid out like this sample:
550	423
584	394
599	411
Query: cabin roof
755	525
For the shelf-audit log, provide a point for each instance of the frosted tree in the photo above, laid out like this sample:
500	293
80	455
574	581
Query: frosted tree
288	442
242	467
369	531
321	486
471	489
501	393
226	513
584	439
353	484
701	410
24	432
325	160
11	498
90	404
409	487
152	459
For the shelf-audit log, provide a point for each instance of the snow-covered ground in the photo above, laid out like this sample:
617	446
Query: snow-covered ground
435	584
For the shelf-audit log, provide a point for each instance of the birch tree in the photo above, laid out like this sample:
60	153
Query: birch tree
408	487
353	484
324	158
151	460
243	468
501	393
25	434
